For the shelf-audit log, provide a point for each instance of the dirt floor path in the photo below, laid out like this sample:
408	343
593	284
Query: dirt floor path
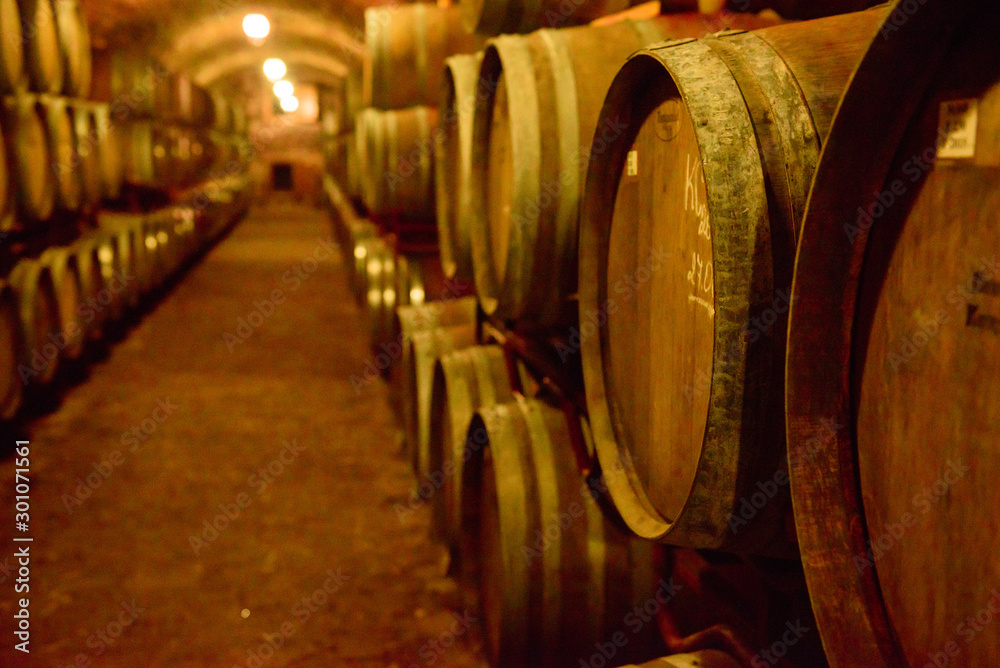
231	405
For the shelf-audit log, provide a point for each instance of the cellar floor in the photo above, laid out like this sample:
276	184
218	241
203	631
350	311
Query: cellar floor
193	416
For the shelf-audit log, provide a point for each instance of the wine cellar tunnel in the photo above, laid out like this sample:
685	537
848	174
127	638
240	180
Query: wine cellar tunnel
495	333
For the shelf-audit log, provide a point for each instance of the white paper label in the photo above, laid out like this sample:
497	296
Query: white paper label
632	163
957	129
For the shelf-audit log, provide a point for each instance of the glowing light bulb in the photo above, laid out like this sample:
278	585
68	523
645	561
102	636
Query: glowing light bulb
289	103
283	88
274	69
256	26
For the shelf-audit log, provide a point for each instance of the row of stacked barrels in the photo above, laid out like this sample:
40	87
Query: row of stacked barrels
68	300
393	134
74	137
425	339
495	454
172	132
424	334
75	127
785	353
773	248
57	152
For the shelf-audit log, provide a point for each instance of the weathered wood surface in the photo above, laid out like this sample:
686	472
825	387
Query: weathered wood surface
465	381
686	248
893	339
25	139
35	293
554	576
453	163
405	50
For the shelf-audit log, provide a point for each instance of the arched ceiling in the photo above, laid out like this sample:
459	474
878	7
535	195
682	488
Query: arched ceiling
320	40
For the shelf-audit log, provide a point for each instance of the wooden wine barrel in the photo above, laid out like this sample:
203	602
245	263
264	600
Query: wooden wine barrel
330	101
893	399
117	277
128	243
95	300
8	194
87	149
201	155
12	76
222	113
361	232
188	150
74	47
11	352
433	315
178	140
168	249
109	149
146	259
158	249
61	137
225	158
453	163
554	575
363	142
497	17
202	111
425	347
330	111
180	225
352	180
709	658
133	84
241	121
149	259
686	246
531	142
335	156
399	162
137	246
182	99
186	230
25	138
42	58
380	289
65	270
368	151
420	279
406	48
426	332
342	215
149	155
39	315
353	101
464	382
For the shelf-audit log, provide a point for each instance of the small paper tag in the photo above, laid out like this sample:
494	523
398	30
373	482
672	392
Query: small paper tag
957	129
632	163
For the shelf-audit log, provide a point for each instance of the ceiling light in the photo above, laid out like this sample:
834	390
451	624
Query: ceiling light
283	88
274	69
289	103
256	26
